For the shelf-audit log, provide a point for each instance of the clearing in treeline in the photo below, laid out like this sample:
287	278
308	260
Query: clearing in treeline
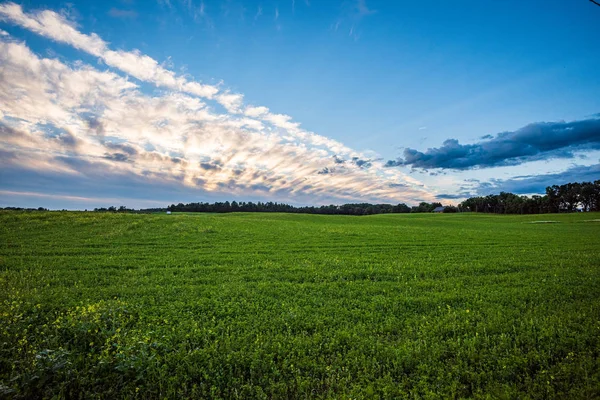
100	305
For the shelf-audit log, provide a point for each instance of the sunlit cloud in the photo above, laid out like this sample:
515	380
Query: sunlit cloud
78	121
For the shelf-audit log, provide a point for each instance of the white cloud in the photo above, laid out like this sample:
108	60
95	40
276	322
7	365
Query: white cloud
75	119
54	26
256	111
231	101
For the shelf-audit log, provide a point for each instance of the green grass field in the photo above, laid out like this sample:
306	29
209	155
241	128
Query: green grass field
299	306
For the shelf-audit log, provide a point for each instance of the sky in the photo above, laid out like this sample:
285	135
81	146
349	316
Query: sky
154	102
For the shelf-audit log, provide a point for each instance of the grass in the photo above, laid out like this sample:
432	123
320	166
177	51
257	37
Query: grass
298	306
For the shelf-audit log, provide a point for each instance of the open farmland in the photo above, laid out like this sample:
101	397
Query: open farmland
299	306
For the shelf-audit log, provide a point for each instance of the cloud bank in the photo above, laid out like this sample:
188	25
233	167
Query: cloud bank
537	141
74	123
531	184
524	184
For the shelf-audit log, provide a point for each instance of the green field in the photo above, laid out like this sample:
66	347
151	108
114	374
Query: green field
299	306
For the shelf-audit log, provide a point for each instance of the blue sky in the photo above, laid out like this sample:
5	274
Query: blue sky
367	100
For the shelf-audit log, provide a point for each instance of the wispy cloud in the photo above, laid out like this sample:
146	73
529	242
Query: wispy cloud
119	13
200	14
83	123
362	9
165	3
353	12
259	12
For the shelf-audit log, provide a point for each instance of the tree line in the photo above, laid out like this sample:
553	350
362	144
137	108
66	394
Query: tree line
345	209
570	197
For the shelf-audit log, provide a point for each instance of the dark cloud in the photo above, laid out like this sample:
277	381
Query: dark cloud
538	141
53	132
324	171
121	157
260	187
7	155
361	163
397	185
95	125
354	160
77	163
212	165
453	196
121	147
484	137
209	166
68	139
7	133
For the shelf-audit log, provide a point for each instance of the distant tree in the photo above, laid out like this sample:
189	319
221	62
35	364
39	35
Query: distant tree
595	203
569	196
565	197
553	199
401	208
586	196
425	207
